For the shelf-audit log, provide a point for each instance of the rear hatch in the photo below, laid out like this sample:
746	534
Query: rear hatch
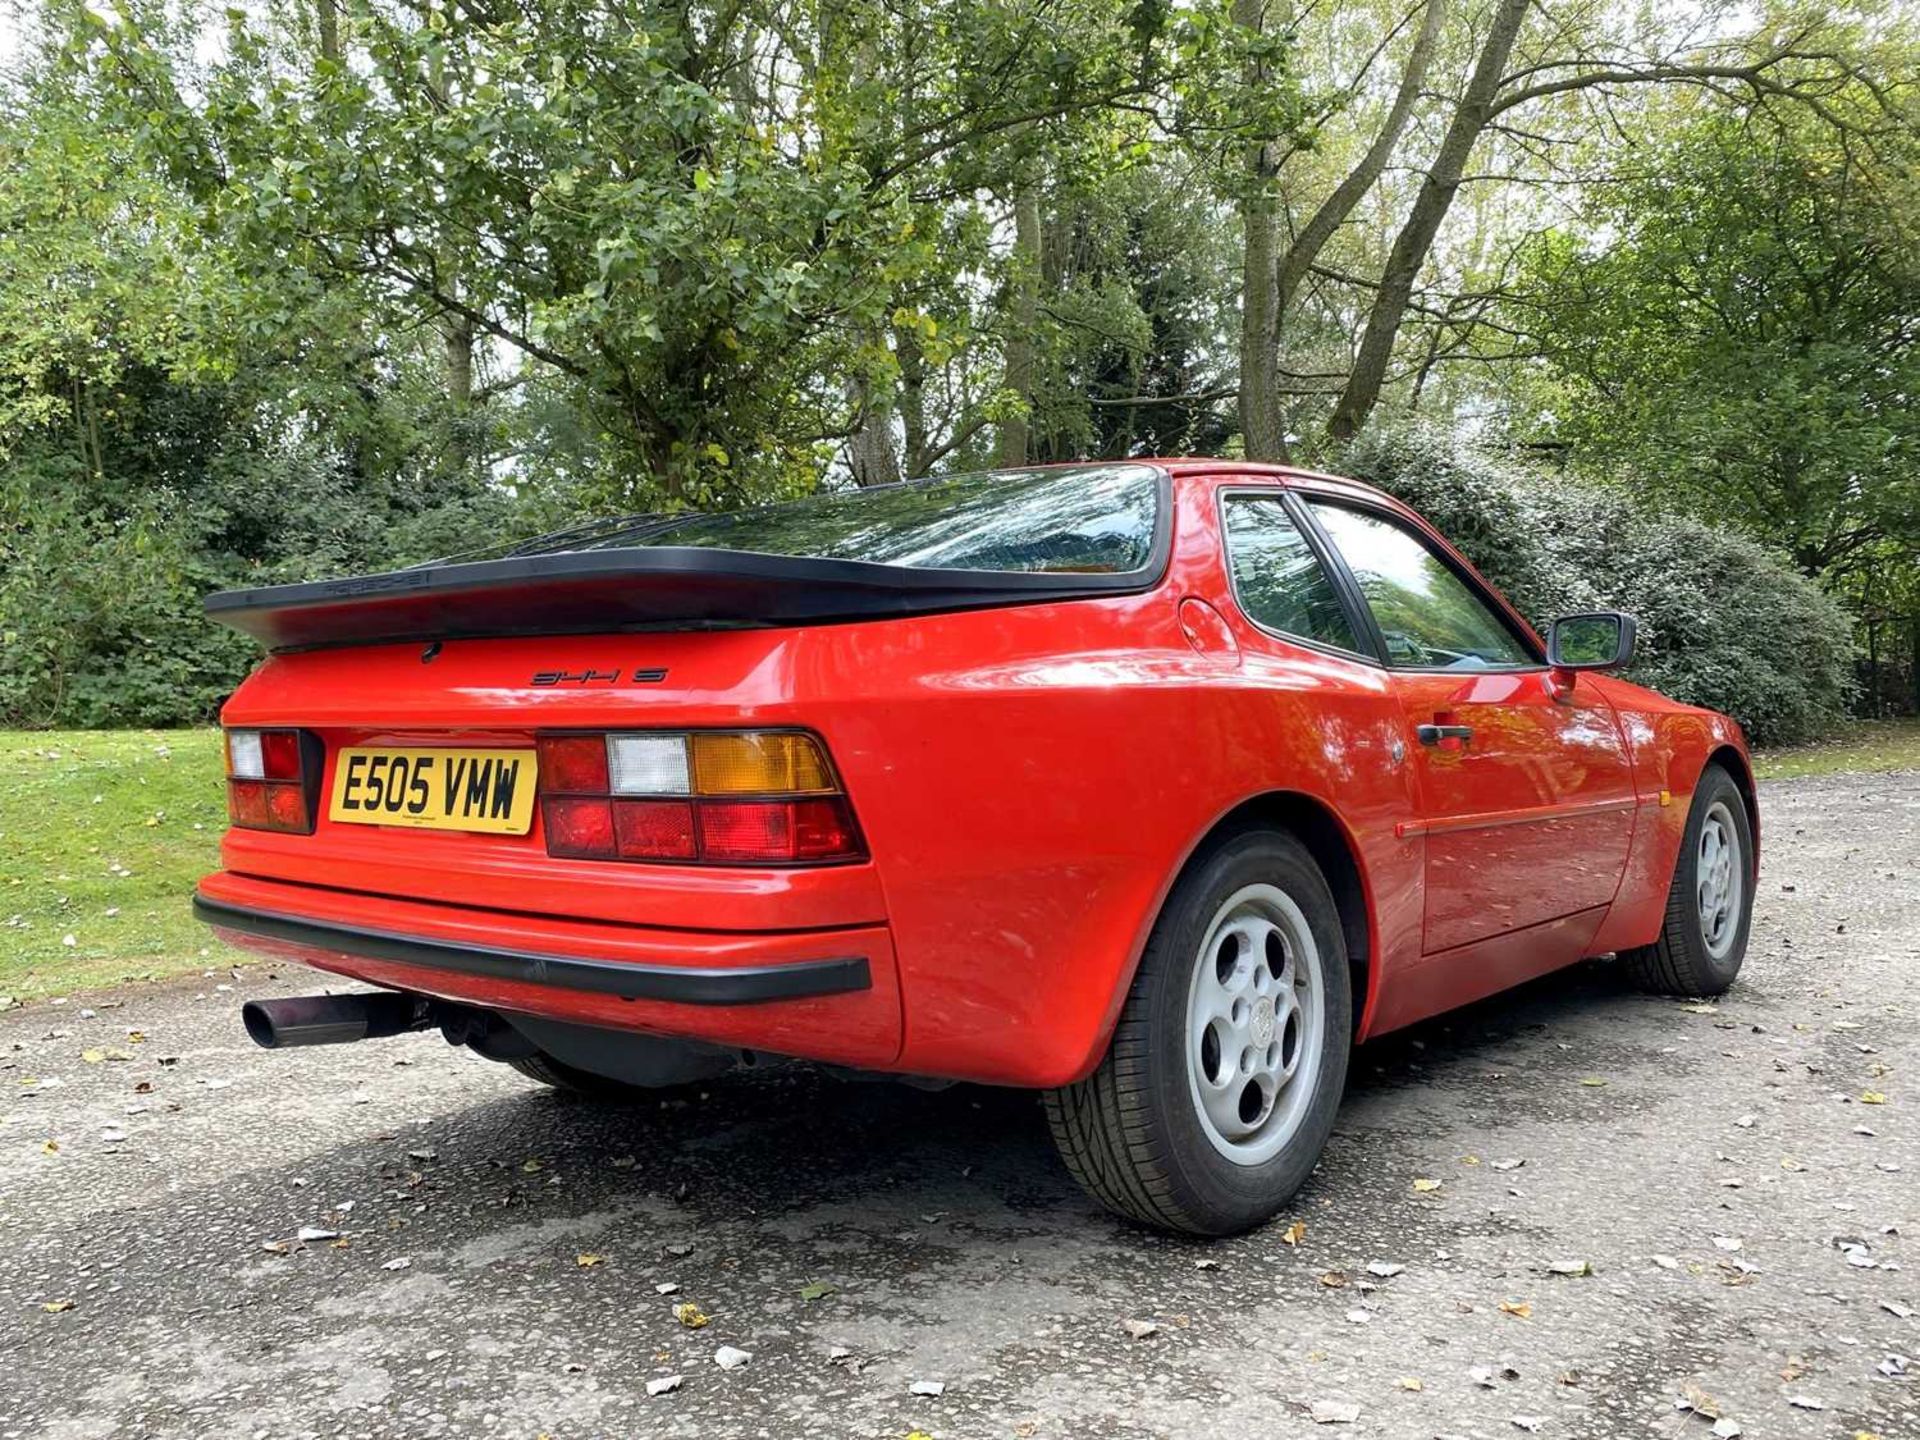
469	678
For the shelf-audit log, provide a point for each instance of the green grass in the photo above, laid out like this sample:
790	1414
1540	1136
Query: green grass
102	835
1869	746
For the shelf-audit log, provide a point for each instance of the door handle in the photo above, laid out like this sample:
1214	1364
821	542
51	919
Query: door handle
1435	734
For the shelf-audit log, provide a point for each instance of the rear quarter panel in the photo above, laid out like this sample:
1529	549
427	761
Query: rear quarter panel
1032	781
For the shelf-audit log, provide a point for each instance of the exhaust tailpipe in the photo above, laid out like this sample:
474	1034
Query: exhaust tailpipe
331	1019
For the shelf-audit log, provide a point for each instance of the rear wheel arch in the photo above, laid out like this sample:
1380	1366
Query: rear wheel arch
1317	827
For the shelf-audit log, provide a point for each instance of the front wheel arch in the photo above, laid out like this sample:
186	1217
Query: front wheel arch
1730	759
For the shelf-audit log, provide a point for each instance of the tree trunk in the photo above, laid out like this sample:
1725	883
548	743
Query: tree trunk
326	18
913	401
1262	426
457	333
1411	246
1023	315
870	448
1333	211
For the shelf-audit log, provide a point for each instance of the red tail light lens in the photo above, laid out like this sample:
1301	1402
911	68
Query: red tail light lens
273	779
749	830
580	826
654	830
573	764
718	797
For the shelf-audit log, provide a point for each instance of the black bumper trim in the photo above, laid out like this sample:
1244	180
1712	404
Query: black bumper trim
731	985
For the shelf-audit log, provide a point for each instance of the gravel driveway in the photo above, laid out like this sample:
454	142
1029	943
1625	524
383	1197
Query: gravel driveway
1742	1181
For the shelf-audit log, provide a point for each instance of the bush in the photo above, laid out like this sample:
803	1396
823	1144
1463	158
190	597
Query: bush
1724	622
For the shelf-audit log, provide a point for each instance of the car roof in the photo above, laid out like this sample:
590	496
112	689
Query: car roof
1201	469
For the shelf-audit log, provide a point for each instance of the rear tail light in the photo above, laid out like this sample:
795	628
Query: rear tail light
273	780
767	797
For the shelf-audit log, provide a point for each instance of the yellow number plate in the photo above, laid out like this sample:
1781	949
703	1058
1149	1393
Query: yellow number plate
491	791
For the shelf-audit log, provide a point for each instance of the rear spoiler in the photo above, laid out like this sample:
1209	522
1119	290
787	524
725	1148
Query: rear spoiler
650	588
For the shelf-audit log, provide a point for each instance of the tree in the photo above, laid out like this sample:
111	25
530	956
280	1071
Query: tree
1746	335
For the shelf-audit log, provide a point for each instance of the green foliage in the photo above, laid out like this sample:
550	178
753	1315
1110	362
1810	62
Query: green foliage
1743	341
1724	622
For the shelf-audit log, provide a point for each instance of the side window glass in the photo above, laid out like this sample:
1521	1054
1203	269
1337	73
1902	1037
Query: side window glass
1428	615
1278	580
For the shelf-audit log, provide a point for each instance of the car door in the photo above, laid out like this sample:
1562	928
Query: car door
1524	783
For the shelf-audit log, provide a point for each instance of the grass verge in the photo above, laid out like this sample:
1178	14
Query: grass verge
102	836
1870	746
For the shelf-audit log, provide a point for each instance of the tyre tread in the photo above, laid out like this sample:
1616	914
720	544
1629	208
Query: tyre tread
1674	964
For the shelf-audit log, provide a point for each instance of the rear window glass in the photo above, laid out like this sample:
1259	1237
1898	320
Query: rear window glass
1088	520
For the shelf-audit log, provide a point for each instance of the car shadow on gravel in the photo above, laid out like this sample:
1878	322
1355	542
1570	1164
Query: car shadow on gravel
791	1137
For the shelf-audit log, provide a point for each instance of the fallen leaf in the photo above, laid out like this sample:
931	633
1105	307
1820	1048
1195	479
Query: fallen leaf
93	1057
51	1147
1592	1082
1425	1186
1410	1382
1519	1308
587	1262
1569	1267
1294	1233
1693	1398
1334	1412
817	1290
1334	1279
690	1315
55	1307
531	1167
1872	1097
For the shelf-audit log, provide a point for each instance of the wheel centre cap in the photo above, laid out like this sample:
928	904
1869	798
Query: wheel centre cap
1263	1020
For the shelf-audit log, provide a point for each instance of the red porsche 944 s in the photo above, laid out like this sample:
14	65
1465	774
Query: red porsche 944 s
1152	786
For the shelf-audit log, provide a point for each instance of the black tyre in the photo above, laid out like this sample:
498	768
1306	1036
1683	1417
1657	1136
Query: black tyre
1710	903
549	1071
1218	1090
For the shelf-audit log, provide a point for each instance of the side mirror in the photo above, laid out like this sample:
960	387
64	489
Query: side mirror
1602	640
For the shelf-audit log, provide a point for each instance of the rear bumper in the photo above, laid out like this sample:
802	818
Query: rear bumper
822	994
727	985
